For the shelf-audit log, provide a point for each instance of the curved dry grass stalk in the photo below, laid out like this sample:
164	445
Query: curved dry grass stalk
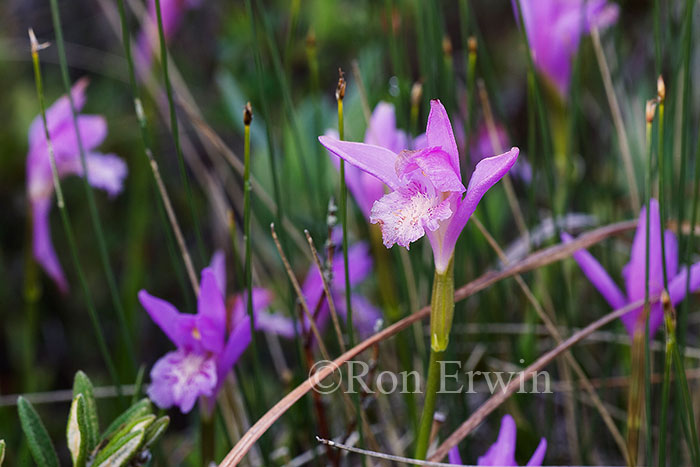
497	399
548	320
537	259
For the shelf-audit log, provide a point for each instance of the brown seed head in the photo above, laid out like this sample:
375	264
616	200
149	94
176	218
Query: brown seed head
661	88
247	114
416	93
471	44
651	109
447	46
340	90
311	39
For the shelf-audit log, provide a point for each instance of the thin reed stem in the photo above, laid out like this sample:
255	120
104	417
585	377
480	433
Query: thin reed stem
65	219
174	127
92	206
143	127
617	120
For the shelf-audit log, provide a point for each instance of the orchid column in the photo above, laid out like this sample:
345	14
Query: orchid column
426	197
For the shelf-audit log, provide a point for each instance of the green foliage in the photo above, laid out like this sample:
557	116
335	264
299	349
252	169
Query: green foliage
126	441
83	386
37	437
77	432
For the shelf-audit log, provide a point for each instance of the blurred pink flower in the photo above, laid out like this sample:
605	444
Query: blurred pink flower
502	452
481	148
635	271
554	29
204	355
365	315
105	171
172	12
427	190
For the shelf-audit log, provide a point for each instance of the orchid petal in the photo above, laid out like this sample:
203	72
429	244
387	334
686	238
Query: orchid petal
439	132
595	273
218	266
502	452
177	326
635	271
487	173
211	313
538	456
375	160
433	164
671	250
453	456
42	246
274	323
237	343
677	285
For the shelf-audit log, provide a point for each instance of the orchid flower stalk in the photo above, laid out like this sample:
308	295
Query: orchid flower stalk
427	197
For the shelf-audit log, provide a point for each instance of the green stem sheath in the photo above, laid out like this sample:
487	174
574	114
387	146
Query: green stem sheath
442	307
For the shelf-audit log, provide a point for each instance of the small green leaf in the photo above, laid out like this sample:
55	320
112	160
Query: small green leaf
77	431
38	439
2	451
120	450
82	385
139	409
156	430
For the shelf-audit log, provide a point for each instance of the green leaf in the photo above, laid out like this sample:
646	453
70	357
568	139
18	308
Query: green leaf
38	439
83	385
120	450
2	451
156	430
139	409
77	432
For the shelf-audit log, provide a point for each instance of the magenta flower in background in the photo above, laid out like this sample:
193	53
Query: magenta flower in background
105	171
502	452
481	147
172	12
208	343
634	272
426	186
554	29
381	131
365	315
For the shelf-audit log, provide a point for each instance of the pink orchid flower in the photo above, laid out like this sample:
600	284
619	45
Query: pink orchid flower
427	195
105	171
554	29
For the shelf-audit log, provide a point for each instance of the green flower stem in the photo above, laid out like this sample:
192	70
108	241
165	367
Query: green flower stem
442	306
426	419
